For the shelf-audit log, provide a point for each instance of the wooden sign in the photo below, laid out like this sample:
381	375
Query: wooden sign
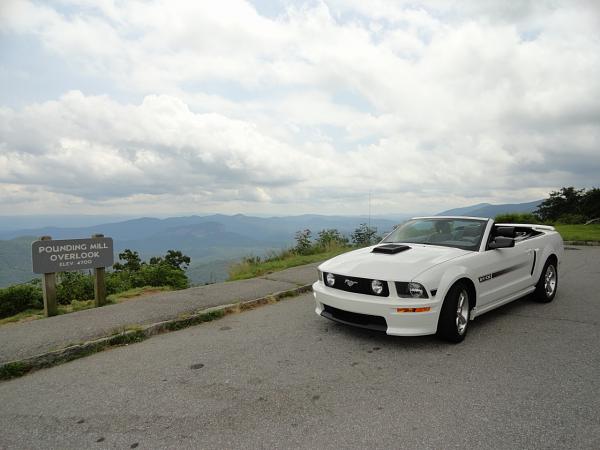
51	256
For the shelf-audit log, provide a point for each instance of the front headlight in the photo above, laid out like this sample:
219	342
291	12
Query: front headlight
411	290
330	279
416	290
377	287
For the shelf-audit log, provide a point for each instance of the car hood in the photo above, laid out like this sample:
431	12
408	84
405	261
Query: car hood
403	266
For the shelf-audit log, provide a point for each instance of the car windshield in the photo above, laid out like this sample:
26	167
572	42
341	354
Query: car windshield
465	234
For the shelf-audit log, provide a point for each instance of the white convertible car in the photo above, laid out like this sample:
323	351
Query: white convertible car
431	275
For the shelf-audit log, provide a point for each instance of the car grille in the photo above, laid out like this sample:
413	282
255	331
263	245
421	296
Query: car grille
356	285
358	320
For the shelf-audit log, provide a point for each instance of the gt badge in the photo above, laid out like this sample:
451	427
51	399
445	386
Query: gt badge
485	278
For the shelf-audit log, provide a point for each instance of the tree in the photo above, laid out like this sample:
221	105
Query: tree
155	260
303	244
168	270
132	261
177	260
560	203
590	204
364	235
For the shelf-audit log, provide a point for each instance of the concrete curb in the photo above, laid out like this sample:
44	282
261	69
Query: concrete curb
137	333
590	243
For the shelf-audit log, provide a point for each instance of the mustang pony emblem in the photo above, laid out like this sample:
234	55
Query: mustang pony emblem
350	283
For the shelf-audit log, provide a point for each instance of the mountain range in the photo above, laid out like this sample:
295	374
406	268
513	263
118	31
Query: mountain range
489	210
213	242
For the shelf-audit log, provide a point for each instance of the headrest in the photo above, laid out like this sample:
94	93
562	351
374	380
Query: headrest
508	232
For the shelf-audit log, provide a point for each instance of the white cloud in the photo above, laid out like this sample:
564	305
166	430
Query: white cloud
308	110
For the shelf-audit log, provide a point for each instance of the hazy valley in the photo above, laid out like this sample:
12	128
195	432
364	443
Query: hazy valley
213	242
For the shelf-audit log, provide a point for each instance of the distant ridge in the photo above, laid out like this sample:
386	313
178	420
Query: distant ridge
489	210
213	241
275	230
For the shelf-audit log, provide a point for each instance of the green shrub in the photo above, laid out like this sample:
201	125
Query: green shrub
364	236
571	219
159	271
15	299
74	286
330	239
303	243
160	275
517	218
117	282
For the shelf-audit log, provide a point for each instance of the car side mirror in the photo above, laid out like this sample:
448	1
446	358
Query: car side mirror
501	242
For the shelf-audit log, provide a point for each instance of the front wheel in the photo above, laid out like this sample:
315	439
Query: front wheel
545	289
454	317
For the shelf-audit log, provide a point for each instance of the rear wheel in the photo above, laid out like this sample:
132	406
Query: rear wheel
545	289
454	317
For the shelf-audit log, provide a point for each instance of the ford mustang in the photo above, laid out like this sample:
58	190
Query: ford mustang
432	275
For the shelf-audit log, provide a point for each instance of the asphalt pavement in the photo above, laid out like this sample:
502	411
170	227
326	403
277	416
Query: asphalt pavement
29	339
281	377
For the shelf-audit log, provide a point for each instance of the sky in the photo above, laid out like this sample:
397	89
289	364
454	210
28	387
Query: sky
288	107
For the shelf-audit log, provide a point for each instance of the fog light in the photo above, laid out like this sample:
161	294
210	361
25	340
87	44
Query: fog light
416	290
377	287
330	279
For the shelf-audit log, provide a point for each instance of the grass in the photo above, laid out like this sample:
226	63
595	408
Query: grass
185	322
24	316
255	267
34	314
137	292
126	338
76	305
13	370
80	305
579	232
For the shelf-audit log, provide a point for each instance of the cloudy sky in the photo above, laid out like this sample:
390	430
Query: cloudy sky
287	107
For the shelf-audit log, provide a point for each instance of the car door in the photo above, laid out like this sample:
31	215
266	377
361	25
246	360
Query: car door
503	272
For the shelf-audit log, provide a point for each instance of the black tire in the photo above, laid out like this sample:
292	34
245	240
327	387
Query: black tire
452	324
545	289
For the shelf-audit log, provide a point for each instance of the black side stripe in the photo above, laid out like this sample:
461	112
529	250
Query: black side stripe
534	258
499	273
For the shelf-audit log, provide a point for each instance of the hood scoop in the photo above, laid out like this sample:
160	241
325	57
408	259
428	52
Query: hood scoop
390	249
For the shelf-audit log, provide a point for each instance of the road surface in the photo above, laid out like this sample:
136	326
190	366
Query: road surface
527	376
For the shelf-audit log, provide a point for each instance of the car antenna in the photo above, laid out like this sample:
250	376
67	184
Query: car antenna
369	209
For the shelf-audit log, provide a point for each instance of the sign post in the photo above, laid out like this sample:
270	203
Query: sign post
49	290
99	284
51	256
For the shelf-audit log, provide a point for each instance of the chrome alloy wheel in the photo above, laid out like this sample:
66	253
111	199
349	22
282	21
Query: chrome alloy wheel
462	312
550	280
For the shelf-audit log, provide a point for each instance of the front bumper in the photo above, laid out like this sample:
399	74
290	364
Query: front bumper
396	323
